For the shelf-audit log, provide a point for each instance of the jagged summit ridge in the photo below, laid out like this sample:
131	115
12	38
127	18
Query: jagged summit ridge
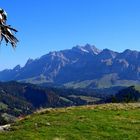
81	63
87	49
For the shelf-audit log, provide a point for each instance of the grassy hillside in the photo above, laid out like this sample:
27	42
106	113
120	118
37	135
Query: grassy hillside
100	122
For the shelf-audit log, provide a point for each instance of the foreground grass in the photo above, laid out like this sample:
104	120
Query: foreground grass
103	122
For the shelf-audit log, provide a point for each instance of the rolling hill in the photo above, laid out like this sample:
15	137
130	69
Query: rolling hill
100	122
20	99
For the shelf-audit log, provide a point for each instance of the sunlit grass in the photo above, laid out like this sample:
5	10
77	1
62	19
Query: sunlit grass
109	122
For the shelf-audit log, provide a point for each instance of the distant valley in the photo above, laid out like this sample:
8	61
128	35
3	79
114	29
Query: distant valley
20	99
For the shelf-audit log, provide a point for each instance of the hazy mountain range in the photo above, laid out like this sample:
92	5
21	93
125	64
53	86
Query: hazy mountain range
80	67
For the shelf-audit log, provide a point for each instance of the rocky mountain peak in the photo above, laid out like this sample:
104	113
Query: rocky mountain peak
29	61
106	53
16	68
91	49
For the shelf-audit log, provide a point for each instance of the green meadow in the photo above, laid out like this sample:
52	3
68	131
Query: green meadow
95	122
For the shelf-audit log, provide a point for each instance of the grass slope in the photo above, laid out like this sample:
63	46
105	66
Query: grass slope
100	122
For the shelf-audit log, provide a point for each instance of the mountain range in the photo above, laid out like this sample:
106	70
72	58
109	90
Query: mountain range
80	67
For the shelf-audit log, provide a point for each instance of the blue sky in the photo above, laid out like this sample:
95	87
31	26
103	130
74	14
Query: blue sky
48	25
